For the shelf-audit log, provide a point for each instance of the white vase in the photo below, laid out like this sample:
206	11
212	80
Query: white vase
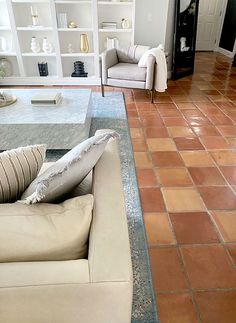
125	23
35	46
47	46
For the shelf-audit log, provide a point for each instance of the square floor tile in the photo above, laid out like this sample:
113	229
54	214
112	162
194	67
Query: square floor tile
211	194
176	308
167	112
152	200
227	131
192	113
142	160
194	227
167	269
136	133
175	121
232	252
229	173
206	131
158	229
167	159
151	121
139	145
134	122
208	267
146	177
198	121
180	132
182	200
156	132
214	142
197	158
161	144
220	120
224	158
206	176
232	142
188	144
186	105
226	223
174	177
216	306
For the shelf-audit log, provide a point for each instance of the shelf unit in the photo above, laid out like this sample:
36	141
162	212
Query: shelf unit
16	28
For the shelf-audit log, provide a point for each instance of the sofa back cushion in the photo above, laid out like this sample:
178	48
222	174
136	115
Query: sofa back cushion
70	170
18	168
131	54
45	232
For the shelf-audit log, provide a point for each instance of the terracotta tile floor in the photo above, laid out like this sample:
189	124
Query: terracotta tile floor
185	154
185	151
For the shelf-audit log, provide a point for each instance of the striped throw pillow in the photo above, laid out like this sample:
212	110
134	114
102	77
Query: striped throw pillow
18	168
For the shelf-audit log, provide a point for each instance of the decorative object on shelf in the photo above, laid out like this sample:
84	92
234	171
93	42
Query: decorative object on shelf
62	20
112	43
5	67
109	25
84	43
47	46
46	98
72	24
79	70
43	69
34	16
183	47
3	44
70	48
125	23
6	99
35	46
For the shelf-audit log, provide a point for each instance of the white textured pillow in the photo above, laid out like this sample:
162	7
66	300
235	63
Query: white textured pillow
18	168
45	232
67	172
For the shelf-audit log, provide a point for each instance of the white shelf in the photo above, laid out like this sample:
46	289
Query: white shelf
75	29
38	54
78	55
34	28
7	54
73	2
3	28
110	3
117	30
31	1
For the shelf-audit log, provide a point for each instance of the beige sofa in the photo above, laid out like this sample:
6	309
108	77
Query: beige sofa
93	290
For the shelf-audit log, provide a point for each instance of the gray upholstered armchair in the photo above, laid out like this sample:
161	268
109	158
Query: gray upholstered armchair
120	68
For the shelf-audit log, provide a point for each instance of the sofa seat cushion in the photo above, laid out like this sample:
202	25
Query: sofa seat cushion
125	71
18	168
45	232
67	172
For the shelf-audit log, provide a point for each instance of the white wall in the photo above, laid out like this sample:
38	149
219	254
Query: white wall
151	21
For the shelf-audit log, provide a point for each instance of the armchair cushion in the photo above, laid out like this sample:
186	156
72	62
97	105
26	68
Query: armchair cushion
125	71
131	54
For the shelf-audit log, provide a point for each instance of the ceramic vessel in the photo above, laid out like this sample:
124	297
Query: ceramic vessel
5	67
35	46
47	46
125	23
84	44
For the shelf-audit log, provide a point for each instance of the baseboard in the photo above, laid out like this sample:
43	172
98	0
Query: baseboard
225	52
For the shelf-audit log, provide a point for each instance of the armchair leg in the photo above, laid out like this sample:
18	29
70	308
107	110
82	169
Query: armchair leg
102	86
152	95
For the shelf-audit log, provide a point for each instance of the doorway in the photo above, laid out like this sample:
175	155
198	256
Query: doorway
209	24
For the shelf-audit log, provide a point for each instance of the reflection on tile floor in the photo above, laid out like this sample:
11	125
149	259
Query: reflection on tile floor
185	149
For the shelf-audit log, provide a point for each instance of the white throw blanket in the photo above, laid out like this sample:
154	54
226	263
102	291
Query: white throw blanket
161	71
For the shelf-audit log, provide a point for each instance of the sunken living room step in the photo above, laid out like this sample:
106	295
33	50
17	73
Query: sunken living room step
79	70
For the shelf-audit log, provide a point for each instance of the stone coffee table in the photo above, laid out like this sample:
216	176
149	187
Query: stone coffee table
60	127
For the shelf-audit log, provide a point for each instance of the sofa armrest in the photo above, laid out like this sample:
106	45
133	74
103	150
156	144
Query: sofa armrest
108	59
151	61
109	250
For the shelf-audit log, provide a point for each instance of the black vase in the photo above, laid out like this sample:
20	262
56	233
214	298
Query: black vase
43	69
79	70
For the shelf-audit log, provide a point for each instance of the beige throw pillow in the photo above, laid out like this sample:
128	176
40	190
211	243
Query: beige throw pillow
18	168
45	232
66	173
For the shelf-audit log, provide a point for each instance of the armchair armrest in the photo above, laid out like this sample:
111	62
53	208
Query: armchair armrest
150	72
108	59
109	250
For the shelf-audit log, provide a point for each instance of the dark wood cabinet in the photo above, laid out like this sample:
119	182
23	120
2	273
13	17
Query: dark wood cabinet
186	15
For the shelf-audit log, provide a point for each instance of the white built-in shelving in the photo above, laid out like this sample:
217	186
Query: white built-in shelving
16	27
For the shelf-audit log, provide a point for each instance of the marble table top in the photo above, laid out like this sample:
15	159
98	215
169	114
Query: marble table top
72	109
